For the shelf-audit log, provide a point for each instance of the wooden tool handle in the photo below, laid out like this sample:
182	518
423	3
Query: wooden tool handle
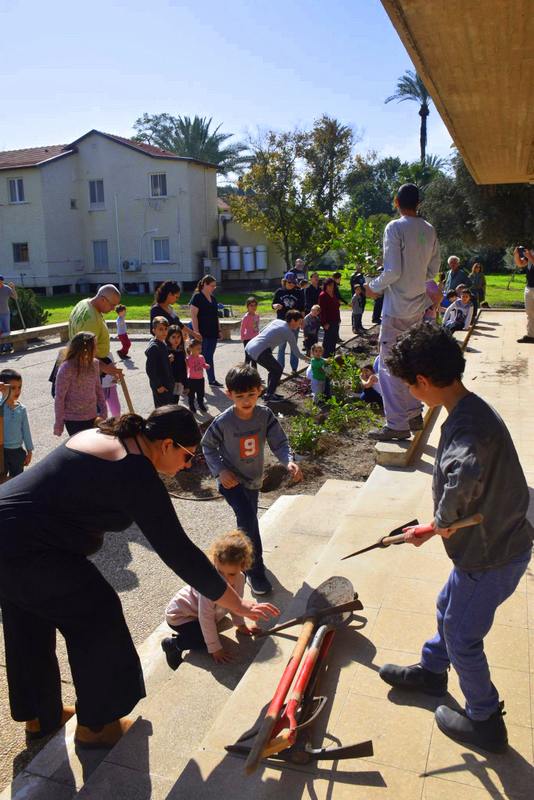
352	605
126	393
265	732
420	530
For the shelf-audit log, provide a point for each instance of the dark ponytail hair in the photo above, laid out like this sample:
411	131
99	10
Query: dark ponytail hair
203	281
164	290
167	422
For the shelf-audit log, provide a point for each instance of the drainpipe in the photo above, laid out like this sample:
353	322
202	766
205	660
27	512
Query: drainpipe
119	263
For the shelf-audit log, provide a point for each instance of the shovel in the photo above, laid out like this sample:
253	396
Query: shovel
397	536
332	592
327	605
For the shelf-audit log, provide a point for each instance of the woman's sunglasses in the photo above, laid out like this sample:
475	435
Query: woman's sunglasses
190	455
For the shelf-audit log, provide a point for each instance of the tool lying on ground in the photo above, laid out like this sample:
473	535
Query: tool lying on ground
397	536
283	720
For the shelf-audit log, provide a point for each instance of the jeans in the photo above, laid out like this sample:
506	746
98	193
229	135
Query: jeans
330	339
244	503
399	405
5	323
196	389
248	359
269	362
465	610
208	351
281	357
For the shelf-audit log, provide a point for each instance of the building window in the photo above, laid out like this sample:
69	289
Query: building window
73	204
16	190
158	185
100	254
96	194
21	253
161	250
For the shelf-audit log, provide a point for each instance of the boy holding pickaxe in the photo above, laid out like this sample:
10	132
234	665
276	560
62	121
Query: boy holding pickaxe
477	470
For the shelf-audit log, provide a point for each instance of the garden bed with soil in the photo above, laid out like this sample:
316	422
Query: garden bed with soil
322	453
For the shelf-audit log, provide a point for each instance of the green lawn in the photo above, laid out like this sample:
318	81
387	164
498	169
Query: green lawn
139	304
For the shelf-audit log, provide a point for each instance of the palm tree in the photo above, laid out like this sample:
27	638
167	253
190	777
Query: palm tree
411	87
192	138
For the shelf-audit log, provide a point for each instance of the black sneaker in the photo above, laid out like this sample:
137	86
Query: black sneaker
488	734
415	678
259	584
216	383
203	407
526	340
173	654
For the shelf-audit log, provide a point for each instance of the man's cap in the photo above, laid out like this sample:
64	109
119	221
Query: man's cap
291	277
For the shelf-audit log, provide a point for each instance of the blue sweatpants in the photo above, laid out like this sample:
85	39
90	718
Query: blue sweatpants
465	611
244	503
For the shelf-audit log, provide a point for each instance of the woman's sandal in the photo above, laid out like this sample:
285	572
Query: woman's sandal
33	726
106	737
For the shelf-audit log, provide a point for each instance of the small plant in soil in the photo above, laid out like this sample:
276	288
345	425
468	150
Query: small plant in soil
344	374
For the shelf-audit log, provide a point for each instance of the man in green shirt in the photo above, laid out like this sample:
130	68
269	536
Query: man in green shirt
88	315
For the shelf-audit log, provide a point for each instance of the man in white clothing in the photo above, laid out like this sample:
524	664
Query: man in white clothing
411	258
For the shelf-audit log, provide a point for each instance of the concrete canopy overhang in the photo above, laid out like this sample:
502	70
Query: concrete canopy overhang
476	58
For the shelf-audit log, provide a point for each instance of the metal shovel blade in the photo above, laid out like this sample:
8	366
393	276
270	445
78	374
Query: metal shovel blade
333	592
381	542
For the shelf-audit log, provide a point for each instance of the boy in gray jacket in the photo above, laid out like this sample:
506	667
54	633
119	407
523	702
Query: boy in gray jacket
476	470
233	447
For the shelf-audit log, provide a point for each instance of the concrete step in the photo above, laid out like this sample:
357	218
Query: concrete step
60	772
183	708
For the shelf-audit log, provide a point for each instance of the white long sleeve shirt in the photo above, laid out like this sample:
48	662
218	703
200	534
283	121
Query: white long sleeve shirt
189	604
411	257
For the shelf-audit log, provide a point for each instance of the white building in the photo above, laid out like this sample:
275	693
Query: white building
101	209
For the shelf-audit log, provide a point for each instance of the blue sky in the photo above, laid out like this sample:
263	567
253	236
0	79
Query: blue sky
69	67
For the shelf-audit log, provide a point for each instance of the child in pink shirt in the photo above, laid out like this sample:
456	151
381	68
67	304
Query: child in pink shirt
79	397
195	618
196	364
250	327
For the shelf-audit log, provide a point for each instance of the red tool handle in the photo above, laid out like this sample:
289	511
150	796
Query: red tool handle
264	734
421	530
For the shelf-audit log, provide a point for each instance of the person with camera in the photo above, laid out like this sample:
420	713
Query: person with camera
524	259
7	293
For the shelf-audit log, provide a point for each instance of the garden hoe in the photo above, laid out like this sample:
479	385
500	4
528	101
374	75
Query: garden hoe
330	604
397	536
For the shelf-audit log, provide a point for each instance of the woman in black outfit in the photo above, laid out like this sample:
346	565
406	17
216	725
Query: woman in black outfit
205	320
165	296
51	518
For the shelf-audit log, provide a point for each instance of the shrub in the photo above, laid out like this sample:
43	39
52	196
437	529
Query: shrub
32	313
344	374
304	434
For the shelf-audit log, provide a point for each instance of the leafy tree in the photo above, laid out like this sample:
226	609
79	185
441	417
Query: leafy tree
327	151
359	239
371	184
411	87
276	199
33	315
193	138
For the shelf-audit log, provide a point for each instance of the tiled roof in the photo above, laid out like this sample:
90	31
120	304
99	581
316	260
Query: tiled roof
35	156
32	156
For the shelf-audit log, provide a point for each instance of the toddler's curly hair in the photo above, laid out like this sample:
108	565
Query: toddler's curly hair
232	548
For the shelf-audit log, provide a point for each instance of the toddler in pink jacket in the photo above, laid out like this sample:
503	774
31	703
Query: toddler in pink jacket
194	617
250	327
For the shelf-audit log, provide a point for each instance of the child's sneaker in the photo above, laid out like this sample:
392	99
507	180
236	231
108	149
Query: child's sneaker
415	678
488	734
173	654
259	584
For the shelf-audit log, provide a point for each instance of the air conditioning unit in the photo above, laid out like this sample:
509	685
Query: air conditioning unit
131	265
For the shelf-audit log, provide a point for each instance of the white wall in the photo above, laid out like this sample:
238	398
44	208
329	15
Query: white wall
23	222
